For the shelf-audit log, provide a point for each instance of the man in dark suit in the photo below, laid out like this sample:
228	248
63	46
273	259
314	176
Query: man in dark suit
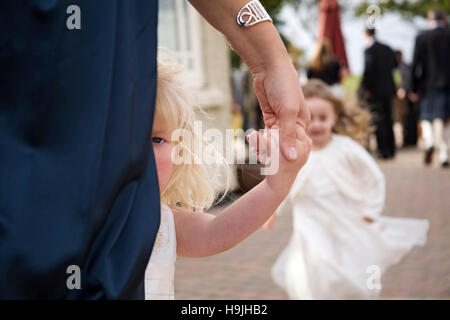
431	80
410	113
377	89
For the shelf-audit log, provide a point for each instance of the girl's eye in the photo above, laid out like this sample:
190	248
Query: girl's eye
157	140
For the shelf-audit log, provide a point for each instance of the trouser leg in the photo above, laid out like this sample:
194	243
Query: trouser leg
378	134
388	127
381	113
411	124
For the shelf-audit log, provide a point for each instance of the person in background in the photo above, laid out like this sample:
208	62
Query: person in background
326	67
431	80
409	107
377	89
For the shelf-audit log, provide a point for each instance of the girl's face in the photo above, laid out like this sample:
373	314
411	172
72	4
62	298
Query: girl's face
162	148
323	119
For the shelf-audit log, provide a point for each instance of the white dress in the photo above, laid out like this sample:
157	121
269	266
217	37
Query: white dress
160	271
332	252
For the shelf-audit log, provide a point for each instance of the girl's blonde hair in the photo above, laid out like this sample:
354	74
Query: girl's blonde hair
351	120
190	184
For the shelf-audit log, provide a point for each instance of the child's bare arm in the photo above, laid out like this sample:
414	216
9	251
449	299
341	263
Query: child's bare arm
201	234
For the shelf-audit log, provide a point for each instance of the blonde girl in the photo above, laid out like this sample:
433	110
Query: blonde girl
187	188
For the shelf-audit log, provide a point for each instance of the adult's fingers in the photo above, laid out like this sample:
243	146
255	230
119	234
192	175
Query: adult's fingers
303	117
289	117
288	121
305	142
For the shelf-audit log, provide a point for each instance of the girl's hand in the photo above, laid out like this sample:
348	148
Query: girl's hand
281	172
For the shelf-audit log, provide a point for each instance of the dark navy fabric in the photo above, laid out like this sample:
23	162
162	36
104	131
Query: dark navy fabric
78	182
435	104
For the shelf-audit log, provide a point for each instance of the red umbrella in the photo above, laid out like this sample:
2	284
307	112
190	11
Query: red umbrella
330	28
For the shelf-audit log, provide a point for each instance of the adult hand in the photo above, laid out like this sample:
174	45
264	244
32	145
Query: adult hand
414	97
401	93
282	103
274	78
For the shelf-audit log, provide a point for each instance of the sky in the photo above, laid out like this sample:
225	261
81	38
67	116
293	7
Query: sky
300	27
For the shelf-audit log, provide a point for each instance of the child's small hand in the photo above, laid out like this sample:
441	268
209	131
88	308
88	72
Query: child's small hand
280	172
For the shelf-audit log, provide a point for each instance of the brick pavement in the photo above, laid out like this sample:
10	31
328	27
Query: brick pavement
412	191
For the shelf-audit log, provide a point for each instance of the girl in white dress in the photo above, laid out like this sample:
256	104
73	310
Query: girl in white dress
341	245
187	187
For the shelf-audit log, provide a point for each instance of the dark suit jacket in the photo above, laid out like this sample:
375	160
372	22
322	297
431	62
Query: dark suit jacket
405	74
431	61
379	62
78	183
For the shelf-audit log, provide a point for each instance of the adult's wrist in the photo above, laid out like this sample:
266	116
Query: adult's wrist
260	47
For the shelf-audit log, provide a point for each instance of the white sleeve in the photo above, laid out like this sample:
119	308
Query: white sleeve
371	178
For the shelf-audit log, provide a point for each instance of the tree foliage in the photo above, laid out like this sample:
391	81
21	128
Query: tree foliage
273	7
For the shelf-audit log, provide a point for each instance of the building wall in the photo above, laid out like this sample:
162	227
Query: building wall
216	95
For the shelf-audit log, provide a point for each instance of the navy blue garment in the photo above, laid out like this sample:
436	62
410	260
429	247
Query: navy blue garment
78	182
435	104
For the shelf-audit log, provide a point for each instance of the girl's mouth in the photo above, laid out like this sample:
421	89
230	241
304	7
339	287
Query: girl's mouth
316	133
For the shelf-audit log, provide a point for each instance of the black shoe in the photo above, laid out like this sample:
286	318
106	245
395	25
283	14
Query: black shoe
391	155
445	164
382	156
428	156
